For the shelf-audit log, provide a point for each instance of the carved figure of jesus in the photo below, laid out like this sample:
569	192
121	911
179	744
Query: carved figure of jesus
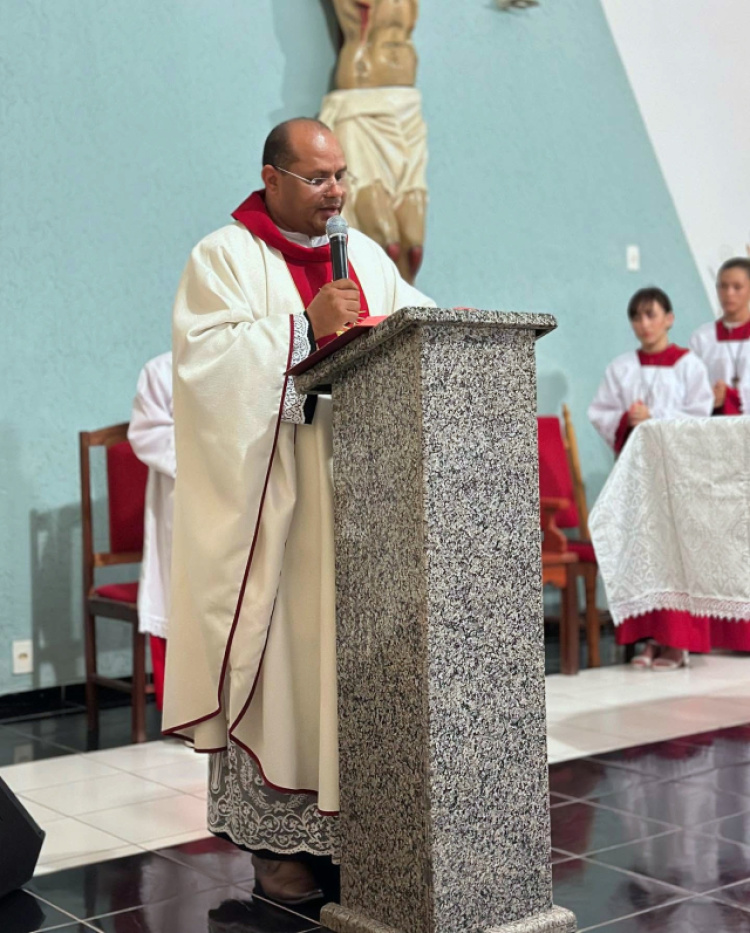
376	112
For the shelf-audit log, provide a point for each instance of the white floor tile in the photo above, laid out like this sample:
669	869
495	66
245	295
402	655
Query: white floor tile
188	777
42	815
152	819
50	771
147	755
69	838
45	868
104	793
176	840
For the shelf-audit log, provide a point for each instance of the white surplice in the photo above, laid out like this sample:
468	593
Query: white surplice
680	390
151	435
725	360
252	629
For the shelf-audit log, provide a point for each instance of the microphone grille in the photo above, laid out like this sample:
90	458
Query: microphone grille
337	226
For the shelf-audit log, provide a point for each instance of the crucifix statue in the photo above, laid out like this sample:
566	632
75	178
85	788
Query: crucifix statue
376	113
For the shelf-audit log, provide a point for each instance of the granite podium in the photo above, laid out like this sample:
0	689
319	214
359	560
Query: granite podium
444	794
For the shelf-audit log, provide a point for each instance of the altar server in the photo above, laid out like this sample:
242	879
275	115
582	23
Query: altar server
724	345
659	380
151	435
251	668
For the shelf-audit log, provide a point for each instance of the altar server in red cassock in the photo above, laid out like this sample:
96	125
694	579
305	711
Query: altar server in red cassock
659	380
724	345
251	667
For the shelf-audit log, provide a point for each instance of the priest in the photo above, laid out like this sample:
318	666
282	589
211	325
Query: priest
251	668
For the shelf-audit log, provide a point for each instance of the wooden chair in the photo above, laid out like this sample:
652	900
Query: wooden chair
560	477
560	569
126	488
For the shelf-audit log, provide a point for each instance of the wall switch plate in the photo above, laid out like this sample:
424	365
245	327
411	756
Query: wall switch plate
633	258
23	657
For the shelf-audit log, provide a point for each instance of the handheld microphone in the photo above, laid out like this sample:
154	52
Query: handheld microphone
338	233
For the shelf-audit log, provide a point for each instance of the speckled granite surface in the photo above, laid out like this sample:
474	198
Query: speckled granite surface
441	673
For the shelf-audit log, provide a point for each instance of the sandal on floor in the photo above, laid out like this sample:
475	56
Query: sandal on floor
665	664
645	660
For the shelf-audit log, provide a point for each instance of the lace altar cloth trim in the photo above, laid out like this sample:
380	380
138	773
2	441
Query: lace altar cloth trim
731	610
294	403
255	816
670	527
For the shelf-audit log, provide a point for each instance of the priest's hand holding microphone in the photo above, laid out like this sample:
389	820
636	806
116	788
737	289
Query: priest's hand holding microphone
336	306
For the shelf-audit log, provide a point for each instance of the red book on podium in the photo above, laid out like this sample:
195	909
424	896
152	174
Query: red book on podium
351	333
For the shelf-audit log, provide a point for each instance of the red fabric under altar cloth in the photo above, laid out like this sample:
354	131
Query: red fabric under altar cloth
671	530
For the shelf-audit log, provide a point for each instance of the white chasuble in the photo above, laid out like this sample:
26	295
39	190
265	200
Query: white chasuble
725	351
672	384
251	652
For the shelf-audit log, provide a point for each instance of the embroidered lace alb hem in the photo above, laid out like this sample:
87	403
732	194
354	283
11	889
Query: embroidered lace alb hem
254	815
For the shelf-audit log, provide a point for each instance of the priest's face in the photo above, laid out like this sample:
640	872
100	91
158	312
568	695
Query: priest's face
293	201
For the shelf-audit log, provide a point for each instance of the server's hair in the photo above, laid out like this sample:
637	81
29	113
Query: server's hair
647	296
277	149
737	262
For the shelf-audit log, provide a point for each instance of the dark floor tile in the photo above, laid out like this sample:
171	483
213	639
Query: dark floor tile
16	748
584	777
213	857
668	761
222	910
580	828
696	915
738	895
556	856
687	859
21	912
118	884
596	894
681	803
734	828
72	732
734	779
556	799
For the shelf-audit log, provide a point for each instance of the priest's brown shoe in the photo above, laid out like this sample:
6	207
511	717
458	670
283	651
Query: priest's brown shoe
286	882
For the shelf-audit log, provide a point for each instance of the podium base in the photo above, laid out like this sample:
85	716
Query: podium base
342	920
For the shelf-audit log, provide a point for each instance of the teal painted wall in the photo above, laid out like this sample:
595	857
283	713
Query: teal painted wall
132	129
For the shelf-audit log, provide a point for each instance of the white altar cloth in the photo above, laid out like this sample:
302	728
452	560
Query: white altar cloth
671	528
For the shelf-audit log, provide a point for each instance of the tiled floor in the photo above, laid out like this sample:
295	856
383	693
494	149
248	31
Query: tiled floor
650	807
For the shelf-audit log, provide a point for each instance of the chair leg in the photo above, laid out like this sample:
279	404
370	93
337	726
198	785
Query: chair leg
593	627
138	698
92	695
569	624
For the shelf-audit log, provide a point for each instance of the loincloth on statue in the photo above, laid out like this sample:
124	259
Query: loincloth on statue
383	135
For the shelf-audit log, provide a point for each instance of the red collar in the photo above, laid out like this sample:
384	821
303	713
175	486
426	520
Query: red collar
254	215
732	333
667	357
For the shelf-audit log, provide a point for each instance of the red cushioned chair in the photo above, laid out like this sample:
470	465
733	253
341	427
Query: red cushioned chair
560	478
126	490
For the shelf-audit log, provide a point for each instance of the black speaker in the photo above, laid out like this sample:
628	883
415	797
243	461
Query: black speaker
20	842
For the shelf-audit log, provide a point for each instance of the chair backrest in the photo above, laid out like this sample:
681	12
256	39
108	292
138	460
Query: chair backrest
555	480
126	495
574	462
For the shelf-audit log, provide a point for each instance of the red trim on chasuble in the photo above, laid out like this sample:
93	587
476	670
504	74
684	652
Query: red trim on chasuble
241	595
310	267
678	629
667	357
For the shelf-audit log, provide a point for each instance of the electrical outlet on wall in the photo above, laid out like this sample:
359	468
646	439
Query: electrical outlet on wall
23	657
633	258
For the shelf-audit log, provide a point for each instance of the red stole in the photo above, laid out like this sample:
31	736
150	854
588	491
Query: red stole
310	267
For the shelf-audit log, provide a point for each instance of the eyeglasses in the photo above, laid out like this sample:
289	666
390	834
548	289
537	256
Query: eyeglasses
324	183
